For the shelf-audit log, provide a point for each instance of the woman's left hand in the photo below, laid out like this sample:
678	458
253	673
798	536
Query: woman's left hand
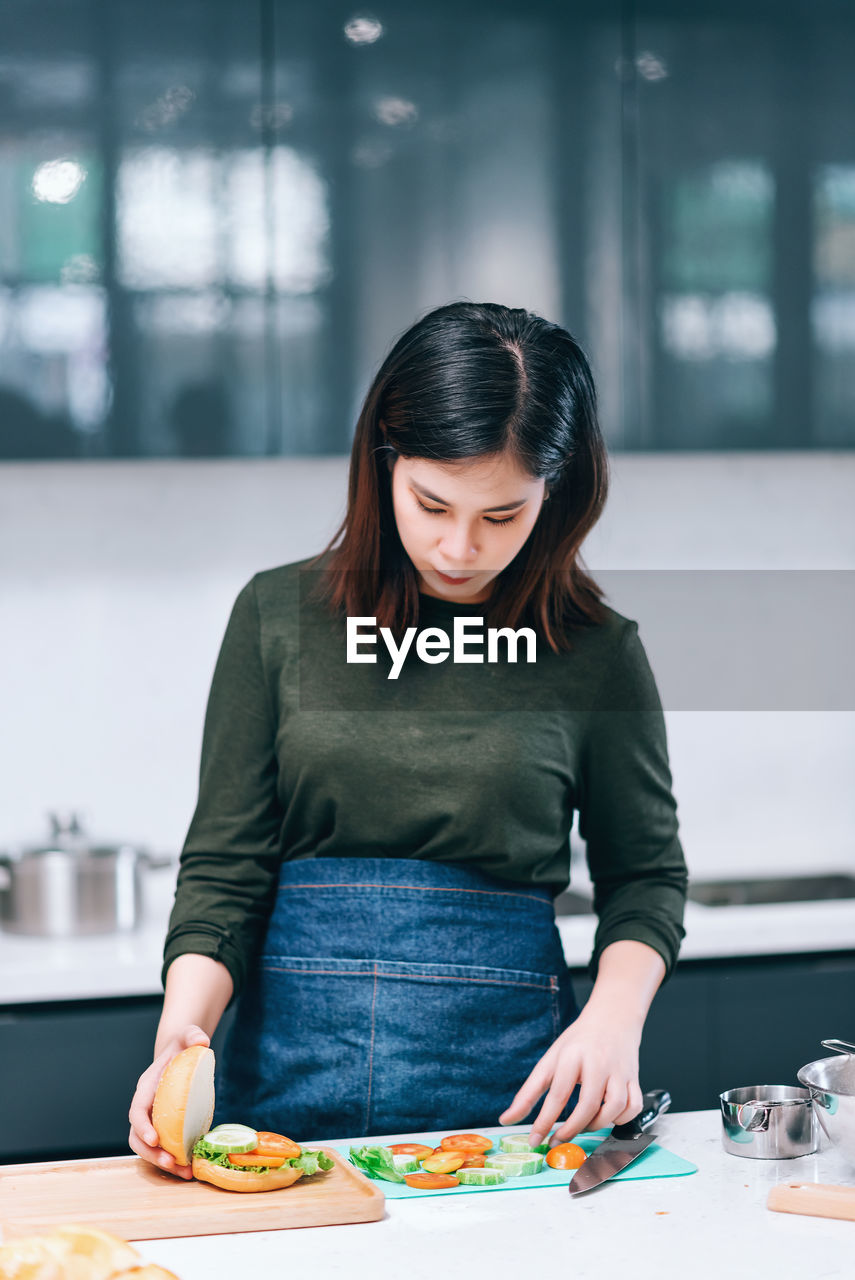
598	1053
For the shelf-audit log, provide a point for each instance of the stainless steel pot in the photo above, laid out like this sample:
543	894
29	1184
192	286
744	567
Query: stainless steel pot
69	887
768	1122
831	1082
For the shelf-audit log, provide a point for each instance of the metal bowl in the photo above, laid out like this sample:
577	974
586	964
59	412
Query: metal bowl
832	1085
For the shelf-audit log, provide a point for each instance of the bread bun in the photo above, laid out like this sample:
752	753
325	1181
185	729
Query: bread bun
241	1179
184	1102
93	1254
67	1253
33	1258
147	1272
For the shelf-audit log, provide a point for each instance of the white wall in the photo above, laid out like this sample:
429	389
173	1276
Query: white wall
116	580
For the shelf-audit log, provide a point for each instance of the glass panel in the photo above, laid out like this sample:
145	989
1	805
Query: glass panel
743	224
717	332
189	251
440	135
54	378
833	303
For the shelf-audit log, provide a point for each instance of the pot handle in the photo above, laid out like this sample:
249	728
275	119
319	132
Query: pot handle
839	1046
759	1118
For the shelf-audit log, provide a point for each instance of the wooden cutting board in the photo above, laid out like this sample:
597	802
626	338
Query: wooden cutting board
131	1198
816	1199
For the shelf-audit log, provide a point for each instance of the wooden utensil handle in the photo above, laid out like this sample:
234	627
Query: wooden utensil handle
814	1198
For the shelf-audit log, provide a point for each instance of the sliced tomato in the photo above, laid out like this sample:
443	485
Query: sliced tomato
276	1144
431	1181
474	1162
444	1162
474	1142
246	1159
417	1149
567	1155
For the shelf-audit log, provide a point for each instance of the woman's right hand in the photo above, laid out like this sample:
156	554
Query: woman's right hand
143	1136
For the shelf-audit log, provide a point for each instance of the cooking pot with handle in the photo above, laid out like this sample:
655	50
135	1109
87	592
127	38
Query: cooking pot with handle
70	887
831	1082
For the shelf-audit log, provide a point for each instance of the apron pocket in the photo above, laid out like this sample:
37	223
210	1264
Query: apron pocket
469	1033
297	1057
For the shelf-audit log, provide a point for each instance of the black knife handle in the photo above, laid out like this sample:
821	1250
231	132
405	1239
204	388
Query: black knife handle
653	1104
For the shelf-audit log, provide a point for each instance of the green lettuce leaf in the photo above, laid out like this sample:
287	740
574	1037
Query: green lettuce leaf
310	1162
208	1153
376	1162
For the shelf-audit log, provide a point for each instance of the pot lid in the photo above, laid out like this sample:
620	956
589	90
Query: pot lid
68	836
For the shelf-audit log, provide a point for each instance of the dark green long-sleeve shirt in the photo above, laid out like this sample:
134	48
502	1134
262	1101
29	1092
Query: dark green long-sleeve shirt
306	755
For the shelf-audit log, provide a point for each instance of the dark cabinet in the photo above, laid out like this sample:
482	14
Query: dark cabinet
719	1024
68	1071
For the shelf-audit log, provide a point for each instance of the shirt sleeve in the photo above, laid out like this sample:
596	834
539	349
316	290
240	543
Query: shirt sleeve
228	866
627	812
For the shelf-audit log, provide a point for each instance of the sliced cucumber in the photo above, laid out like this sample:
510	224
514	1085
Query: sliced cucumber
481	1177
519	1144
515	1164
231	1139
405	1163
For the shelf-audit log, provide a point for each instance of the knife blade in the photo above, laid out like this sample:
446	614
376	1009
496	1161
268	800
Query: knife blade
624	1144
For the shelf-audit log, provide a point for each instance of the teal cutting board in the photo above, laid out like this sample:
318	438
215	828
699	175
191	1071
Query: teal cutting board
654	1162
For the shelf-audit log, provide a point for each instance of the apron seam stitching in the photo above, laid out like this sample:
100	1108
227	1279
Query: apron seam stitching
371	1054
420	888
436	977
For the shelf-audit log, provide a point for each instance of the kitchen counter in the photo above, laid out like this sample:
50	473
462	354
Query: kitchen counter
39	969
718	933
710	1224
35	970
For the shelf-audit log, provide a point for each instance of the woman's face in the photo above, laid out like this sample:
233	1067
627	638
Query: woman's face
468	519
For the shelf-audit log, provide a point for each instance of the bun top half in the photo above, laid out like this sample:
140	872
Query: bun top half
184	1102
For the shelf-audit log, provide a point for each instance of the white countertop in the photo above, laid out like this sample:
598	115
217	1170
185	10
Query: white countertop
716	933
39	969
710	1224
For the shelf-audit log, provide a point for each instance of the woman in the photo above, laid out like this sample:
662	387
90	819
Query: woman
371	866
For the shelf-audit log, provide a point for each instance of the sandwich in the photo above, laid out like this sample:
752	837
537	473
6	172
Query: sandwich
232	1156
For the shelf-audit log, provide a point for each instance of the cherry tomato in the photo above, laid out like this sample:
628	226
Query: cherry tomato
416	1149
276	1144
246	1159
474	1142
567	1155
430	1181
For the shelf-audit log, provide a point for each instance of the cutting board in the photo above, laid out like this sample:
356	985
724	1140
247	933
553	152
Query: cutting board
131	1198
816	1199
654	1162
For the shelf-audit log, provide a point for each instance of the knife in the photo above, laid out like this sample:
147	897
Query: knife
623	1145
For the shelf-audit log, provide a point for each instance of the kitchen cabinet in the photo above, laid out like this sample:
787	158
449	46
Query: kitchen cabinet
68	1070
705	185
720	1024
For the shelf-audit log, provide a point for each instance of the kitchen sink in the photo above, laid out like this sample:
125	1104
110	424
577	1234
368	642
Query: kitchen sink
769	889
739	893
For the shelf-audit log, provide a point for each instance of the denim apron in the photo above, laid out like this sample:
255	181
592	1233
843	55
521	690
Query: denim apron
393	996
